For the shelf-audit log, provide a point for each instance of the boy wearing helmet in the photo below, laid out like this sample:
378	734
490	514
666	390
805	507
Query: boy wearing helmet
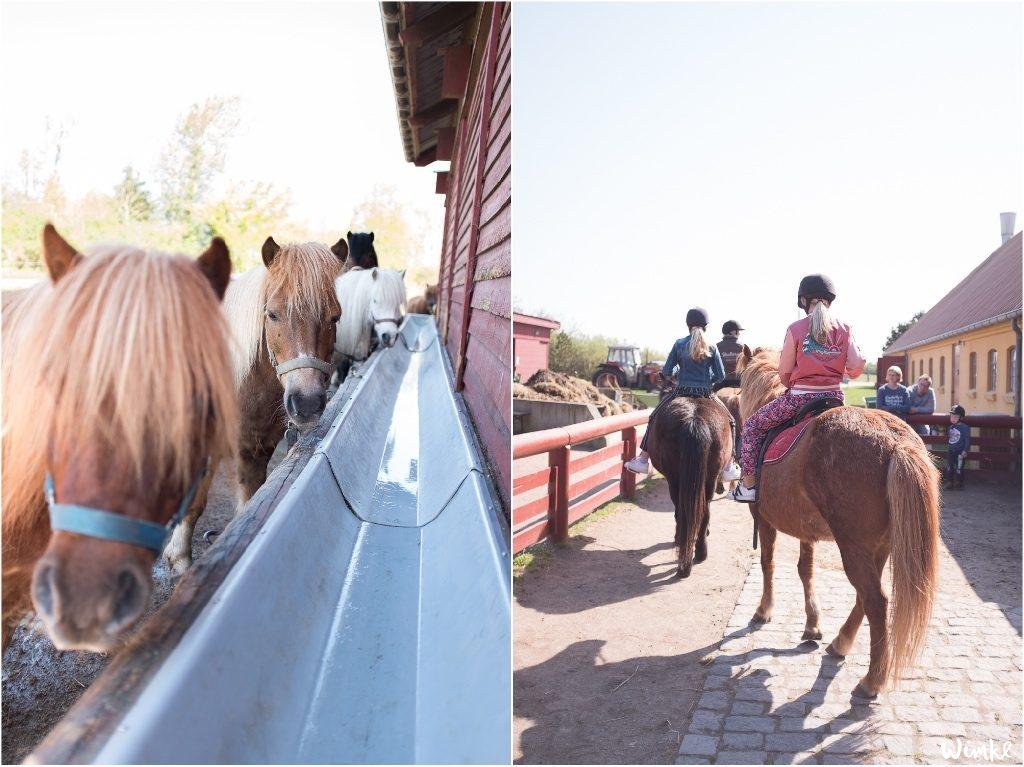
817	352
959	442
700	367
731	350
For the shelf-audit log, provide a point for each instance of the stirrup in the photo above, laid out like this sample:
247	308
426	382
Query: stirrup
743	494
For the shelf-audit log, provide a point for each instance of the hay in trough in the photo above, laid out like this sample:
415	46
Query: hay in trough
546	385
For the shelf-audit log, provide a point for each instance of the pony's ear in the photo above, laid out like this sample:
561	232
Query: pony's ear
57	253
403	274
215	264
349	235
340	249
371	236
270	251
374	272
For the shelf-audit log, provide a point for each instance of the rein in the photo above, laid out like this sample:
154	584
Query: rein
98	523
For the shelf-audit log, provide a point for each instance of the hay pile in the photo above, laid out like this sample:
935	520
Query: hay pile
545	385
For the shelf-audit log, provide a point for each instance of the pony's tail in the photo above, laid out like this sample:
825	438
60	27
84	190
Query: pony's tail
693	459
699	348
912	488
822	323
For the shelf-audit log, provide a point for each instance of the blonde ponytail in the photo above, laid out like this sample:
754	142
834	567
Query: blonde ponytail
699	348
822	323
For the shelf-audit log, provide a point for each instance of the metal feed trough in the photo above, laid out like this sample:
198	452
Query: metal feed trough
366	619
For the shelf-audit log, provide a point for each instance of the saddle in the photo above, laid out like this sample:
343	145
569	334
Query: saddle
780	440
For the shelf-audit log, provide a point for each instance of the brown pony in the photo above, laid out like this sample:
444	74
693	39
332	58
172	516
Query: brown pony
283	311
691	442
424	304
864	479
116	381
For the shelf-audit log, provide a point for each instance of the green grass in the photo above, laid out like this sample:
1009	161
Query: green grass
648	398
855	394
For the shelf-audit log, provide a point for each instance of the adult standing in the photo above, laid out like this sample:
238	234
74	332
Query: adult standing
894	397
731	350
922	400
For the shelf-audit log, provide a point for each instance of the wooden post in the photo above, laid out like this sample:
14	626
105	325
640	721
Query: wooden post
628	481
558	459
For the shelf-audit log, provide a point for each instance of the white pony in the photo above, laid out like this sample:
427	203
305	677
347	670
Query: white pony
372	307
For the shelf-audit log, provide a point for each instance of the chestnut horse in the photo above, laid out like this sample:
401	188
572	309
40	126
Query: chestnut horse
117	385
691	443
282	318
864	479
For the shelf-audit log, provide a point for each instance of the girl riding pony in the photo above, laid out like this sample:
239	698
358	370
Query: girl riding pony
817	352
700	367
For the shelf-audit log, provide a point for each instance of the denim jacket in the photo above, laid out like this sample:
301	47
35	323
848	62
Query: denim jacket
696	374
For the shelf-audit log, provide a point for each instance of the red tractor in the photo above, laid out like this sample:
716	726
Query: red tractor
624	370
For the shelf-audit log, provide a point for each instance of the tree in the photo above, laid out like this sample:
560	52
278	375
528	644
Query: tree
193	158
900	329
245	216
402	234
577	354
132	200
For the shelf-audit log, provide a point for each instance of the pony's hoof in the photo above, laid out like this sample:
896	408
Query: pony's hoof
811	634
831	650
760	619
179	567
860	691
719	488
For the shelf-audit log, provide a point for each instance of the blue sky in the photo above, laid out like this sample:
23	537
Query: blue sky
312	78
669	155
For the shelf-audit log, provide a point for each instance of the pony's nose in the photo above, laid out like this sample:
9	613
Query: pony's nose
306	407
387	339
130	596
44	589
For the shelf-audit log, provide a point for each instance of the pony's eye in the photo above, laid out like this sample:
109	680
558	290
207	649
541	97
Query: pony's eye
335	318
272	315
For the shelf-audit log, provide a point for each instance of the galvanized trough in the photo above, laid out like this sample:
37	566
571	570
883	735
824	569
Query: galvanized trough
358	609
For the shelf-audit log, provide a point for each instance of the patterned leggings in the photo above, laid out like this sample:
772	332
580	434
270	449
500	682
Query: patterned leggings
769	416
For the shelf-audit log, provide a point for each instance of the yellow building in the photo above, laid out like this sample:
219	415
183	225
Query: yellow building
969	342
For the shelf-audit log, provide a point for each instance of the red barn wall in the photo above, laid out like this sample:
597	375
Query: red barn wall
474	307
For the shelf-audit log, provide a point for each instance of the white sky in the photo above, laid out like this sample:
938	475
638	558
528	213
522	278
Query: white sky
673	155
316	100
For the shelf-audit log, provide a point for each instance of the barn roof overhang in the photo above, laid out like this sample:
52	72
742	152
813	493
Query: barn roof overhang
431	54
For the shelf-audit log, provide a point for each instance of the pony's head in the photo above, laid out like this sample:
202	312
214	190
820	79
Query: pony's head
120	389
300	312
759	379
387	305
360	250
431	295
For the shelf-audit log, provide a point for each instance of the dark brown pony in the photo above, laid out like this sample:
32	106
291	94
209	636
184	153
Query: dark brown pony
357	251
691	442
284	310
116	381
864	479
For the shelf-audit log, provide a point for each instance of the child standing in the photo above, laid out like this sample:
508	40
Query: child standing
959	442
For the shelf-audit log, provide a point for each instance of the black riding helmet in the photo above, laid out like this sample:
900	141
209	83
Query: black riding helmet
816	286
958	410
697	317
730	326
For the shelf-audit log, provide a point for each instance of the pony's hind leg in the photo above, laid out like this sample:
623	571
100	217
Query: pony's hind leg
840	646
812	630
866	576
178	551
766	533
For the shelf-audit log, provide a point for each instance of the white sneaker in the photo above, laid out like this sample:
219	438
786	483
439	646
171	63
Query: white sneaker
639	466
744	494
732	472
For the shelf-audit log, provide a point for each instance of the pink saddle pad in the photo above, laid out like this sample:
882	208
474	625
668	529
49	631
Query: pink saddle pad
785	441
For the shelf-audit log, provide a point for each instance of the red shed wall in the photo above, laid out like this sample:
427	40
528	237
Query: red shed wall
531	355
474	308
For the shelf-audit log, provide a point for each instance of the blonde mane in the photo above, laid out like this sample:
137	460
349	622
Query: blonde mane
356	289
303	273
759	382
127	350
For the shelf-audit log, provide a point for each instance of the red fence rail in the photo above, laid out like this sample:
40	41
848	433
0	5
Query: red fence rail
995	442
566	501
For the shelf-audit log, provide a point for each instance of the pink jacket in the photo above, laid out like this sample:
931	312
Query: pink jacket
807	366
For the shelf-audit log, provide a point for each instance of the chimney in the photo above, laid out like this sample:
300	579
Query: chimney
1006	221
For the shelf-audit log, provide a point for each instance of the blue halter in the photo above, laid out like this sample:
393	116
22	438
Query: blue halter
97	523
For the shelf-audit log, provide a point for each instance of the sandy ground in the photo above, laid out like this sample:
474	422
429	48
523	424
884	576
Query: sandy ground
41	683
608	640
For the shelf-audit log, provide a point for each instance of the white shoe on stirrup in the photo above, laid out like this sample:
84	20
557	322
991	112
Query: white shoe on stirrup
732	472
744	494
639	465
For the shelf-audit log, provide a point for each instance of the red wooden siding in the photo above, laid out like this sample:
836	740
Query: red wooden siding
474	307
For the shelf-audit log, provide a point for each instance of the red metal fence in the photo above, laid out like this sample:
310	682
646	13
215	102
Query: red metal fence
995	452
995	442
549	516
